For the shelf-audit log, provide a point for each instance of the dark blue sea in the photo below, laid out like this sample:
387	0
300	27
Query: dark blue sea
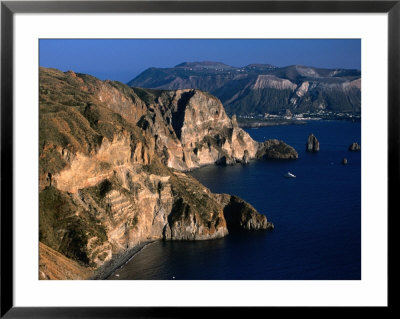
317	216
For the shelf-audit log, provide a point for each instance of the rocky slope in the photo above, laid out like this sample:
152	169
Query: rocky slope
263	88
53	265
111	163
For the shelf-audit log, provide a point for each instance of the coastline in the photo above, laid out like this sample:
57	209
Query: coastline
276	270
106	270
256	123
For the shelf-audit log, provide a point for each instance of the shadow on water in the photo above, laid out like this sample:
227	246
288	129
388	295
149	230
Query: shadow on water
191	259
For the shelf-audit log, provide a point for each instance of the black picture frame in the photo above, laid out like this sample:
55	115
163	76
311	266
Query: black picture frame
9	8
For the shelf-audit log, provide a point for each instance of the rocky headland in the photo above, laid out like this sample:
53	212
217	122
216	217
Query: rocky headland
112	162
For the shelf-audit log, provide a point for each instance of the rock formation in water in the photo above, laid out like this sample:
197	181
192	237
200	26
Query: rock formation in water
247	219
111	162
312	144
344	161
355	147
274	149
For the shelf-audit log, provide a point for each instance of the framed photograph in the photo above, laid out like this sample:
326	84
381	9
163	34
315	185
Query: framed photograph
160	158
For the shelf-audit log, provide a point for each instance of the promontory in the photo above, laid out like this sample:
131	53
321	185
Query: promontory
112	162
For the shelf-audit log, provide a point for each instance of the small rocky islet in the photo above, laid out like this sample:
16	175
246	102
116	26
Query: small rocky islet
354	147
312	145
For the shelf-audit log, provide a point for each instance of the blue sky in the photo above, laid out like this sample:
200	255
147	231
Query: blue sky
124	59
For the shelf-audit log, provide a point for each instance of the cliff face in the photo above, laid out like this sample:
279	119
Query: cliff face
134	203
104	186
192	129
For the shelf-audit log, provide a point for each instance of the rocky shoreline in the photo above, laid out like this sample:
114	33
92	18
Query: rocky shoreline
105	271
258	124
112	160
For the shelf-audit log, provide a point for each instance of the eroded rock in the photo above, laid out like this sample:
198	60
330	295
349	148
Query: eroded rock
355	147
312	144
240	215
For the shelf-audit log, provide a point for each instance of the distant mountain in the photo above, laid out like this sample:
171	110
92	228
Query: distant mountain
263	88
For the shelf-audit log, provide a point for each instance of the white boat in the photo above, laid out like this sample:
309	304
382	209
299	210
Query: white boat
290	175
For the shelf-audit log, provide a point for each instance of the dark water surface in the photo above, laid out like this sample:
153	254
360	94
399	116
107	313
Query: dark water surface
317	216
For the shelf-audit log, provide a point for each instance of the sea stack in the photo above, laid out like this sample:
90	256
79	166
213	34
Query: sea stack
355	147
312	144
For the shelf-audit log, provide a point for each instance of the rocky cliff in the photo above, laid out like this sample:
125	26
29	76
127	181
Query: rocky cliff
111	163
191	129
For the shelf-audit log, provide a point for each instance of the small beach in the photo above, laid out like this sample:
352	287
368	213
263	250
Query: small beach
119	261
